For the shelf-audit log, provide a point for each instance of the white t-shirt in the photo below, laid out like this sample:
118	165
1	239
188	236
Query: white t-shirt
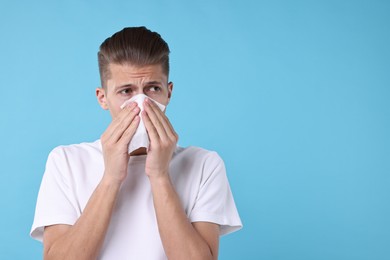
73	172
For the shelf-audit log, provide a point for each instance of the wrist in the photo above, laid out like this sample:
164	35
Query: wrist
160	178
111	182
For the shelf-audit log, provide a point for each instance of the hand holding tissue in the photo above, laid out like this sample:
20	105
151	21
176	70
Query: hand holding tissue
140	138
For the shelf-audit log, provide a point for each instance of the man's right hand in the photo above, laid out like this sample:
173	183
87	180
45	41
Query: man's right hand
115	141
84	239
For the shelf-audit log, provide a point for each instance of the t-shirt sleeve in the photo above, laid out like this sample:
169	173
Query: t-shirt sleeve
215	201
56	202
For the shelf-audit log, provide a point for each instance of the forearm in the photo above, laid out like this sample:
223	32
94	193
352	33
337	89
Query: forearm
84	239
179	237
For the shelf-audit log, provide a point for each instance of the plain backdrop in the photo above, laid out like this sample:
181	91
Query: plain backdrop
294	95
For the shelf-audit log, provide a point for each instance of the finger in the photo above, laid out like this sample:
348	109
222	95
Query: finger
163	119
130	131
152	132
123	115
126	119
156	117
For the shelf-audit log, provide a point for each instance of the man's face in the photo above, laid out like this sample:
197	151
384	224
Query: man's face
127	81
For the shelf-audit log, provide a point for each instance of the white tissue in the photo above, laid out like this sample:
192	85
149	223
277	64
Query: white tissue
140	138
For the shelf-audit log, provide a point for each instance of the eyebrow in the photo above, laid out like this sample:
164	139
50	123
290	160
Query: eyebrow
154	82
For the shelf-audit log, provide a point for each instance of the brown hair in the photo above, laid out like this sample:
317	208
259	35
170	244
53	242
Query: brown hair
133	45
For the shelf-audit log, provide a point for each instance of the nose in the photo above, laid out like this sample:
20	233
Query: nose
138	91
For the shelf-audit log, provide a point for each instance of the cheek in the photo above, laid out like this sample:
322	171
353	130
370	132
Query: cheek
161	98
114	106
115	112
115	101
165	99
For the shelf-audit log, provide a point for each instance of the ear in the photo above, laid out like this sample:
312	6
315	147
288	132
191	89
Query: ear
101	98
170	89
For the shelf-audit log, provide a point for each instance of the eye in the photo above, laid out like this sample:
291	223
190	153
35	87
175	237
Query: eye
153	89
126	91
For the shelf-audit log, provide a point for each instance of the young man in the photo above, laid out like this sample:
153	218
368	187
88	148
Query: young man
160	201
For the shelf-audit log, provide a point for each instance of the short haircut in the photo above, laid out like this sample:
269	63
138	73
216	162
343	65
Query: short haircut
137	46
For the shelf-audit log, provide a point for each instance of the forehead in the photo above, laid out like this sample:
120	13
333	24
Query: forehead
128	71
124	74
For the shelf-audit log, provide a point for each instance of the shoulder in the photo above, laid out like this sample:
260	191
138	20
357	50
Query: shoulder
78	149
75	161
82	151
196	153
198	158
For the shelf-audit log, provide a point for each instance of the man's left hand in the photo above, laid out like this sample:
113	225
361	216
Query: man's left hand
163	140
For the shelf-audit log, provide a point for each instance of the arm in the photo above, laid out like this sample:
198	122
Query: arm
84	239
180	238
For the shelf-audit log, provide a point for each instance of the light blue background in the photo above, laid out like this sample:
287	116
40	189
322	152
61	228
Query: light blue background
294	95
